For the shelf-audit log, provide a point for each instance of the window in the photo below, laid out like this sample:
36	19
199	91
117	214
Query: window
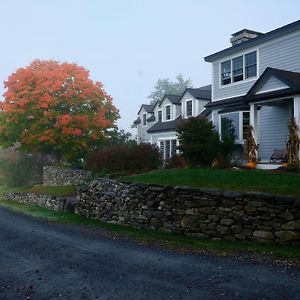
189	108
251	64
162	148
168	112
226	72
246	122
173	147
159	115
230	125
144	119
168	148
234	124
238	69
243	67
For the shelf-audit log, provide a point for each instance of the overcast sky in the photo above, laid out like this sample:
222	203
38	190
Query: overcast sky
129	44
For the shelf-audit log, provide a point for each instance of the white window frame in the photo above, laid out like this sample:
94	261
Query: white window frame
159	140
221	86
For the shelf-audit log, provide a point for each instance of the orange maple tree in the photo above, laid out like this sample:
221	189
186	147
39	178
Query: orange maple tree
53	107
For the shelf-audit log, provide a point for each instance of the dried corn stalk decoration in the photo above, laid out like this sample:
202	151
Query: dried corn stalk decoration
293	142
250	145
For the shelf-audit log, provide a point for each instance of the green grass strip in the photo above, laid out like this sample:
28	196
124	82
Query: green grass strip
273	182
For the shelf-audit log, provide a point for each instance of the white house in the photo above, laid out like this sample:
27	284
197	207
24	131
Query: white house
156	123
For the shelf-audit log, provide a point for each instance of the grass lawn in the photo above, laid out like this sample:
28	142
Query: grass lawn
273	182
168	240
40	189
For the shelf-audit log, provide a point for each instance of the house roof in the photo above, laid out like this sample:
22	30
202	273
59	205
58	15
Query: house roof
151	118
148	107
164	126
205	113
203	92
234	108
175	99
255	41
291	79
226	102
137	121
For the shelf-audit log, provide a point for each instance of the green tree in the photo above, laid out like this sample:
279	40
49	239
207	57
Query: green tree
165	86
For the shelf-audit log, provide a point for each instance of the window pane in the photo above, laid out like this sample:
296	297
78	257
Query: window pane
230	125
173	147
238	69
159	115
168	148
168	112
226	72
162	148
246	122
144	119
251	64
189	108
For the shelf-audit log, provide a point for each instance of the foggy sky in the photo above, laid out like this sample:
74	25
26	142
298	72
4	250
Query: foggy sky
129	45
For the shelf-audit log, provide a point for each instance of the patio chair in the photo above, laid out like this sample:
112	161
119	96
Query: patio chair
279	156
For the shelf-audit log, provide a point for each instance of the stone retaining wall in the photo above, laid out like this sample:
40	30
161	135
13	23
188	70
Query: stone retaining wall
49	202
54	176
204	213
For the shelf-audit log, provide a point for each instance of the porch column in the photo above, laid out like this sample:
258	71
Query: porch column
253	121
297	112
297	109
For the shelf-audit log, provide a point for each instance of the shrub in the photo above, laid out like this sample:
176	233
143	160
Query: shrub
176	161
125	159
198	141
201	146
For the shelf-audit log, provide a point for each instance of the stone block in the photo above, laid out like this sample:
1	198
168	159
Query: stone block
263	234
224	230
287	235
227	222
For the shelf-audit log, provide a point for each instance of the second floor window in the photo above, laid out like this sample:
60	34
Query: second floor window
168	112
251	64
189	108
238	69
159	115
226	72
144	119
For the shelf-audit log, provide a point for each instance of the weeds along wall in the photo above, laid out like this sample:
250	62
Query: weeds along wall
203	213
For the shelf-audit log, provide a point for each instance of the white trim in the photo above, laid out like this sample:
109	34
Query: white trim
165	116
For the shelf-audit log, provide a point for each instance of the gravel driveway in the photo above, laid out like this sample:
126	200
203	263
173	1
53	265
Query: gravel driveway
41	260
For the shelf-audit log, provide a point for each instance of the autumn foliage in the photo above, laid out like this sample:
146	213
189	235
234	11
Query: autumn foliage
53	107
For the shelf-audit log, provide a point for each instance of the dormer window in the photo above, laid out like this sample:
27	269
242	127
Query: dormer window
226	72
168	112
189	108
239	68
159	115
144	119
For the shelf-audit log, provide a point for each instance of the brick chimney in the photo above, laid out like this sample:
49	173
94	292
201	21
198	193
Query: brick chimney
243	36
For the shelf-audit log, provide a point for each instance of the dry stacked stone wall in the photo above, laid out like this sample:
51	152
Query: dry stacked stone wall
54	176
50	202
204	213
